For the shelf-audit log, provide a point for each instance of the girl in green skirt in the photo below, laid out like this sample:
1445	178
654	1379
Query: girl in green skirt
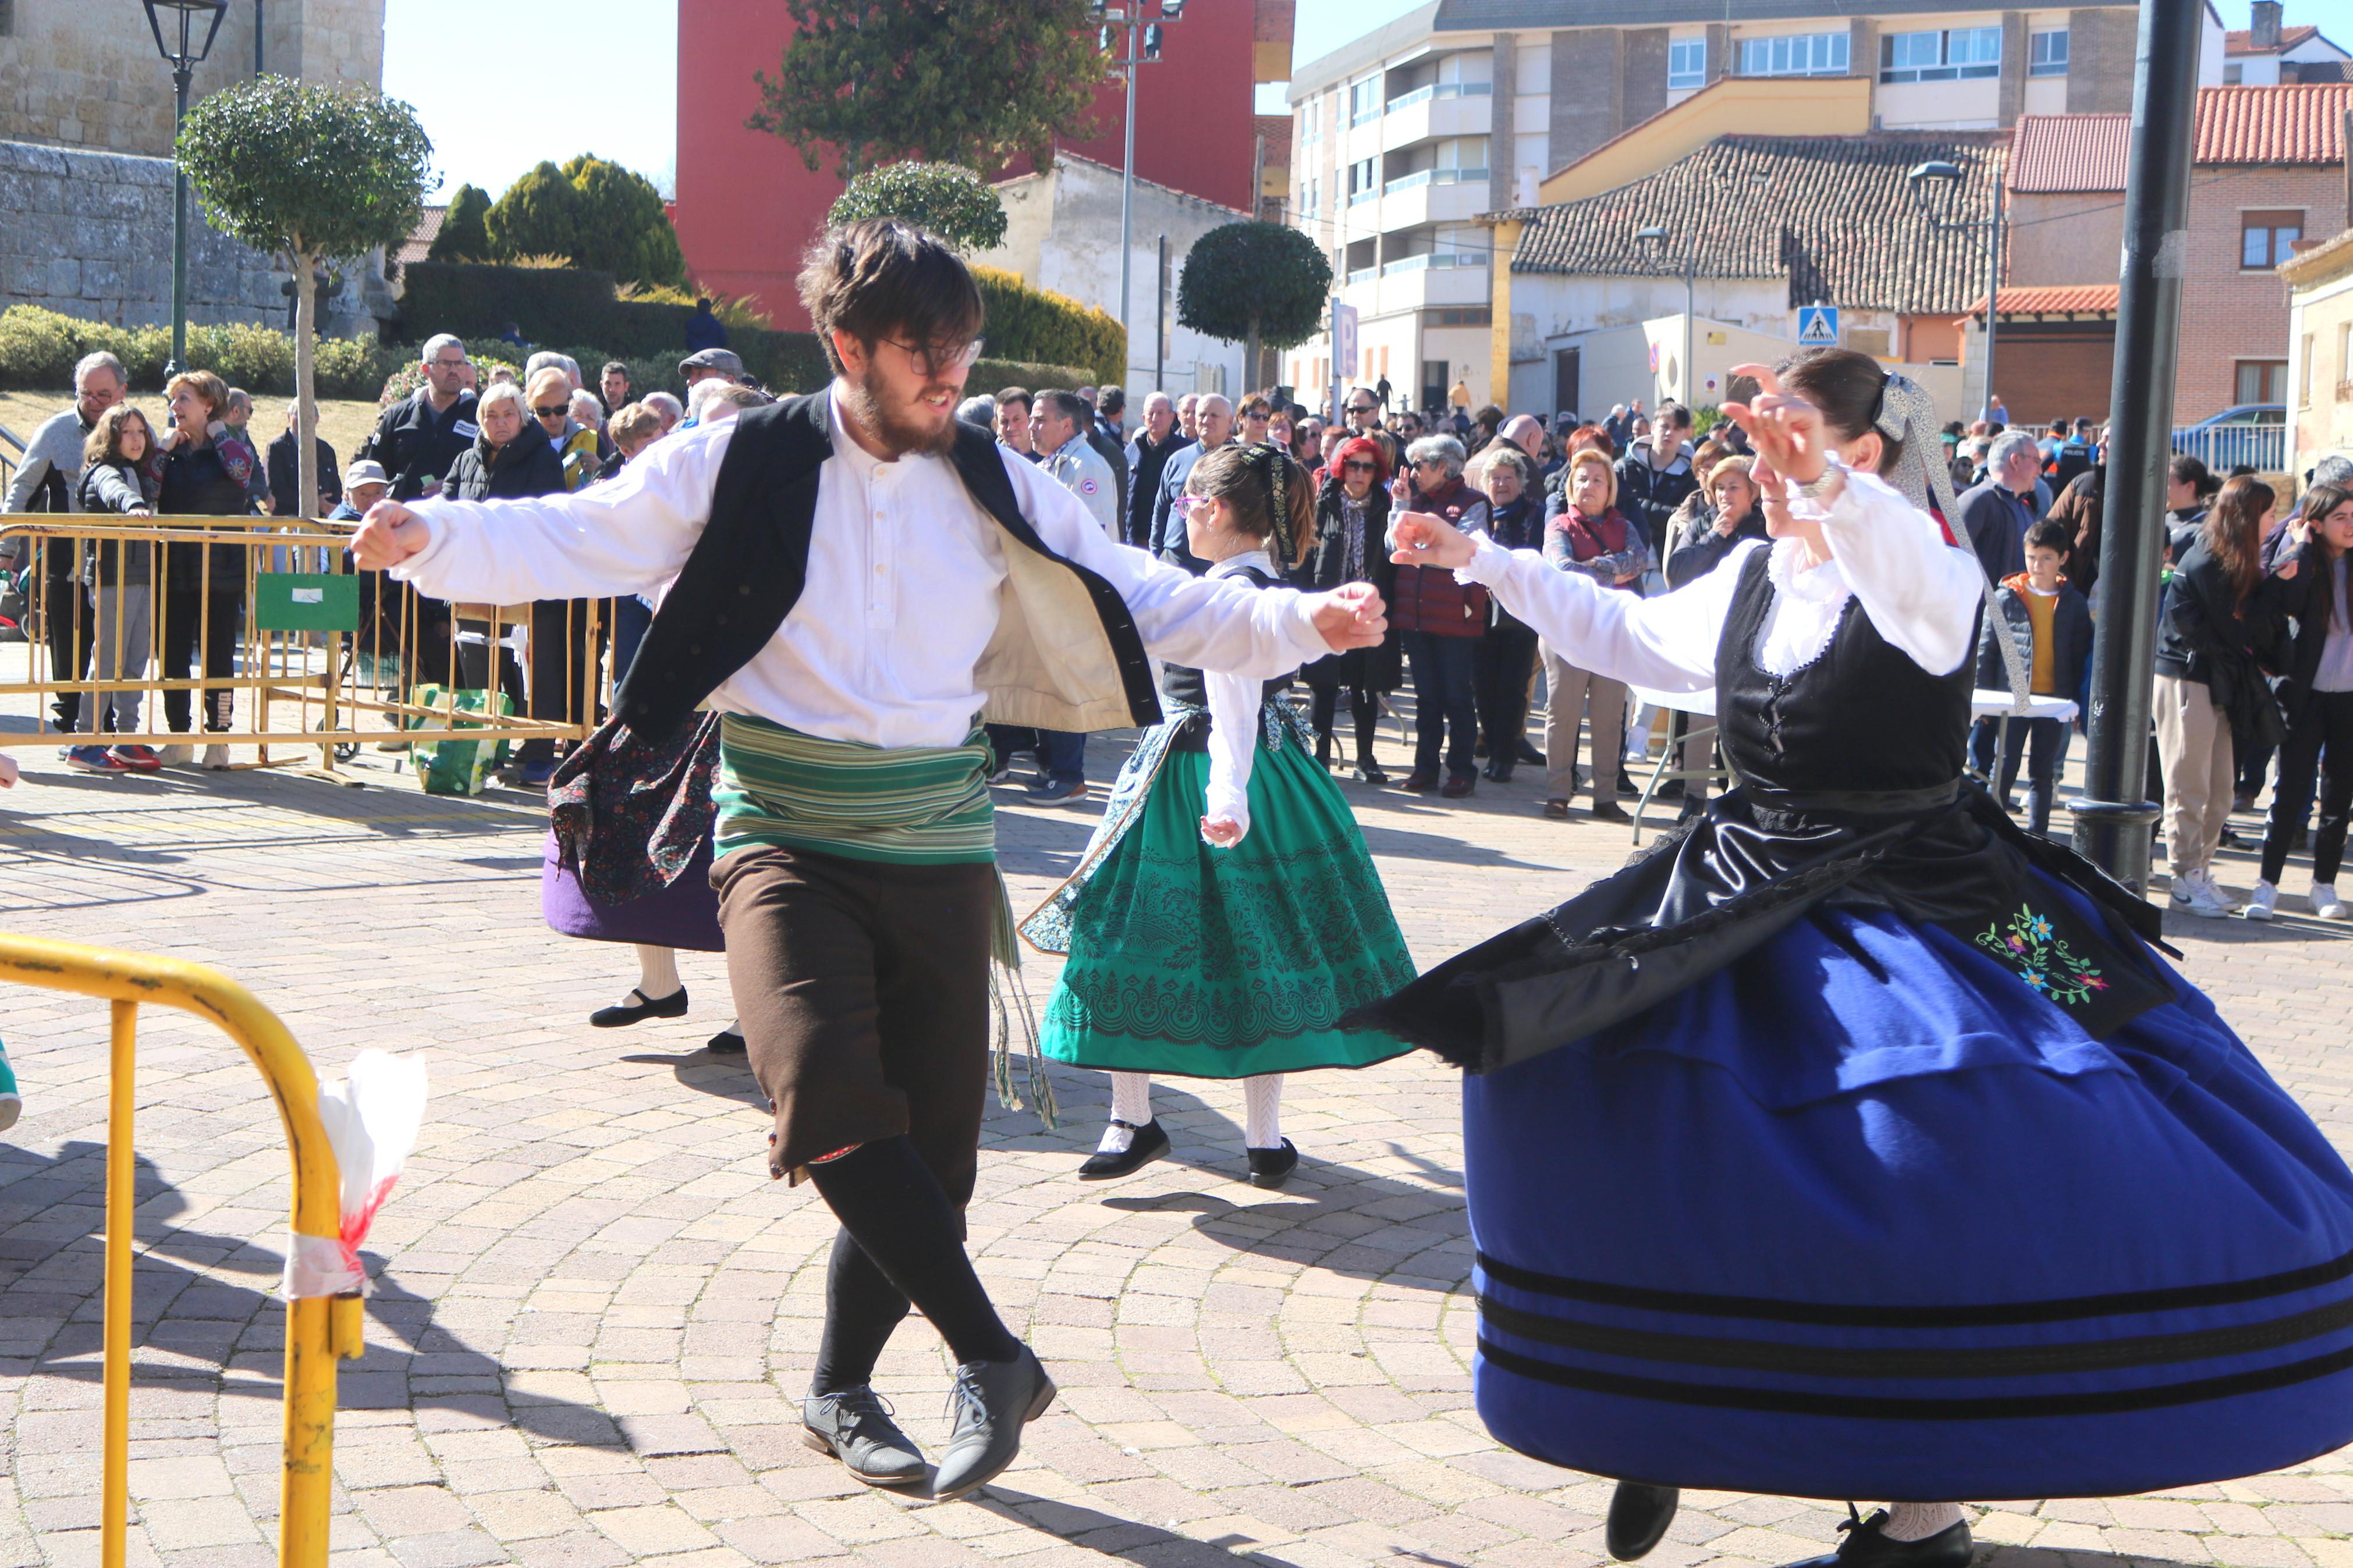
1225	914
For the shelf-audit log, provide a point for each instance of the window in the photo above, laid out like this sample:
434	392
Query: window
1458	161
1310	120
1311	198
2233	75
1952	55
2262	381
1686	64
1364	181
2046	53
2303	385
2266	240
1365	102
1807	53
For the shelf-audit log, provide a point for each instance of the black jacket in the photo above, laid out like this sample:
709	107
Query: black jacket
199	482
1379	668
2305	597
2203	634
417	445
2071	641
286	476
1706	552
1649	497
1145	458
526	466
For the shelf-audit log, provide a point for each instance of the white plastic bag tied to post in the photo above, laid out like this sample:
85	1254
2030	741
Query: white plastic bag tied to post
372	1118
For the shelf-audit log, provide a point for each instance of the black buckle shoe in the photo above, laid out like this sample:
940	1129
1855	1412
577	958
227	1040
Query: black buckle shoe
670	1007
1148	1144
993	1400
1639	1517
1866	1547
728	1042
1273	1167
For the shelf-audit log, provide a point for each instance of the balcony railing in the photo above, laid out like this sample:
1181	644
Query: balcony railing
1358	198
1429	259
1420	177
1441	90
1363	274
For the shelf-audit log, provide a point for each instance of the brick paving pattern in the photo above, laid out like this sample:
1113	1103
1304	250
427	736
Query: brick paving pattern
594	1314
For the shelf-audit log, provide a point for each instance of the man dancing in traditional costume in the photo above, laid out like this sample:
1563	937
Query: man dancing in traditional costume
1854	1145
851	577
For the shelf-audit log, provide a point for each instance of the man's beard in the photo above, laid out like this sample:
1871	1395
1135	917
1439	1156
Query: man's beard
897	434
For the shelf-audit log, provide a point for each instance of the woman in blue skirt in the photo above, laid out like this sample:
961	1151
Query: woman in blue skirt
1853	1143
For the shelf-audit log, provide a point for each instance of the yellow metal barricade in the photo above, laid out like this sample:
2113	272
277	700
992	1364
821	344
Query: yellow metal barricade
319	1331
256	632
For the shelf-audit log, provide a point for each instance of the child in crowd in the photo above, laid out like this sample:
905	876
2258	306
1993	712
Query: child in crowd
2051	625
122	474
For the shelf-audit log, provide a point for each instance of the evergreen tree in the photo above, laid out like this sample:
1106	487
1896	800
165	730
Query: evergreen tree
464	236
623	227
539	215
955	203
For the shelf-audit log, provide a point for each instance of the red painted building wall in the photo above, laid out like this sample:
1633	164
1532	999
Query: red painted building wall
746	205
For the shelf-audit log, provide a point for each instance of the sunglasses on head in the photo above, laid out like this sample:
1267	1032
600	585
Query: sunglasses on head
554	411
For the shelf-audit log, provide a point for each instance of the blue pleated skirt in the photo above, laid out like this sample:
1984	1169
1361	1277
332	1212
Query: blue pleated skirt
1862	1215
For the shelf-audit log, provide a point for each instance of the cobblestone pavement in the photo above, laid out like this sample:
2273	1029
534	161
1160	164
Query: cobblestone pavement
595	1313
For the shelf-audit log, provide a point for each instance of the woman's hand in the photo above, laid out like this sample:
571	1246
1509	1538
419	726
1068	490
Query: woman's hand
2285	570
388	535
1727	525
7	771
1423	540
1400	491
1350	615
1789	432
1223	832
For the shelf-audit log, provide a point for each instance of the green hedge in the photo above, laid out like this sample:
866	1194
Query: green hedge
38	348
1034	324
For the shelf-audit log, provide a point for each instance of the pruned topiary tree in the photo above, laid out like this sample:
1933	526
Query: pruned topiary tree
313	173
463	237
539	215
1262	284
952	202
621	225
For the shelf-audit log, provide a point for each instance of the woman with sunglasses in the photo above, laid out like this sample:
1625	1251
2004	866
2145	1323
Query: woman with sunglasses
1352	514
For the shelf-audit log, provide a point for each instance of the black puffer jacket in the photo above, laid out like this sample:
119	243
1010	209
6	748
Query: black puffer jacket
2205	635
210	480
527	465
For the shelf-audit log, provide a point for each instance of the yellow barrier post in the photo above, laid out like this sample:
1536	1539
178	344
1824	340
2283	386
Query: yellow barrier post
319	1331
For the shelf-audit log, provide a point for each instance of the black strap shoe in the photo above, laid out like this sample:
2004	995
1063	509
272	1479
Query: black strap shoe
1865	1547
725	1043
992	1401
1639	1517
670	1007
1273	1167
1148	1144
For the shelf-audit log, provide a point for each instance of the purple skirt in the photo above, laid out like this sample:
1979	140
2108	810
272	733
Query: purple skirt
685	914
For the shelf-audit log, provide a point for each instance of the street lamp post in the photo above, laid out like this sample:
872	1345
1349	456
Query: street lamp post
1652	239
183	52
1141	46
1948	174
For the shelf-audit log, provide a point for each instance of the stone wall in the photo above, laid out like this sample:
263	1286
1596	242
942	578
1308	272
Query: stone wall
87	75
89	234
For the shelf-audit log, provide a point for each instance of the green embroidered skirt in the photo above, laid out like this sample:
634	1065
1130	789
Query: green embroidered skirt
1197	961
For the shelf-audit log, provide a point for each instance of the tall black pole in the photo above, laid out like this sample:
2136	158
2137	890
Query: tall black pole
2112	819
181	75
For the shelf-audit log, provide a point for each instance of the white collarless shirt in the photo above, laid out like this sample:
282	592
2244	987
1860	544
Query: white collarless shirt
905	577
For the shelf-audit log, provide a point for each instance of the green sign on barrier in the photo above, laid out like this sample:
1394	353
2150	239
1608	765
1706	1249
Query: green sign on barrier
306	602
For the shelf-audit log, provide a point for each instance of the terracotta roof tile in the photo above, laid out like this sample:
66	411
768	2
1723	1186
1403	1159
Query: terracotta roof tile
429	228
2064	300
2303	124
2241	43
1832	214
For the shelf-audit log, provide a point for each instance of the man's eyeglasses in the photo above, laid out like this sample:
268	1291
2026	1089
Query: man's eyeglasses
935	360
554	411
448	363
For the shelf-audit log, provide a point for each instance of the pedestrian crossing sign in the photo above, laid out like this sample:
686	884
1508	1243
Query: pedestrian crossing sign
1818	326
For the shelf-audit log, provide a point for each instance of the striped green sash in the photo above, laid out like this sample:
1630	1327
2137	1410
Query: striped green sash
916	805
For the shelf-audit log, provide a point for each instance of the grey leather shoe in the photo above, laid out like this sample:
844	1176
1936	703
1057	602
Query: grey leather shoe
855	1426
992	1401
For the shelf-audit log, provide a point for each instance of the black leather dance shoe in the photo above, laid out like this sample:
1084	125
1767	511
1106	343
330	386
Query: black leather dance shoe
1273	1167
1148	1144
1865	1547
670	1007
1639	1517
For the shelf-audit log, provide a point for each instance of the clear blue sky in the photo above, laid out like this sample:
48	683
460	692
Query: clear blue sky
500	87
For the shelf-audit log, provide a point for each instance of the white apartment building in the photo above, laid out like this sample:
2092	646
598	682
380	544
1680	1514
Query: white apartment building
1402	138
